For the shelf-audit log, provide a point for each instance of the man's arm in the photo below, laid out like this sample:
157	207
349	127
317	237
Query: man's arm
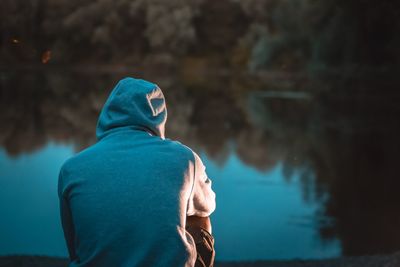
68	229
66	218
201	204
201	201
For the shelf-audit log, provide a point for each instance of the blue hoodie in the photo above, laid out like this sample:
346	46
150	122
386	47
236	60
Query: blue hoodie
125	199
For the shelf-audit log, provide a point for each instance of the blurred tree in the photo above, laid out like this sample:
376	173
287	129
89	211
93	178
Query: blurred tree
21	33
269	34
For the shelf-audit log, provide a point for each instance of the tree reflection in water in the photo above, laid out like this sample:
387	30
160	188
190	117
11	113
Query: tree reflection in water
349	141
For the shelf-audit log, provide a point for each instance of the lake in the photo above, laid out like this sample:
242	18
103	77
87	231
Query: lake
303	166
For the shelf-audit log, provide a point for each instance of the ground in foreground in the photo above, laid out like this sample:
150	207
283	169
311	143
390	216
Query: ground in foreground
392	260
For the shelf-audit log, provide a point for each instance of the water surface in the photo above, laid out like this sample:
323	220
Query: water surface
299	173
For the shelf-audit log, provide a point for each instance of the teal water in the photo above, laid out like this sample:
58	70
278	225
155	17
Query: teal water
259	215
30	221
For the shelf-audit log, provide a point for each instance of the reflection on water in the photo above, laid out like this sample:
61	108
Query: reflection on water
303	167
260	215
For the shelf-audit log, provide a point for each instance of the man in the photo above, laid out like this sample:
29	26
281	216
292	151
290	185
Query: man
135	198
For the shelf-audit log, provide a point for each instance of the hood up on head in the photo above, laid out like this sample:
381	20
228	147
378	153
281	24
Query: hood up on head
133	103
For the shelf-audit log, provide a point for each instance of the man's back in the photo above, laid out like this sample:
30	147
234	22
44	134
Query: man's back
125	199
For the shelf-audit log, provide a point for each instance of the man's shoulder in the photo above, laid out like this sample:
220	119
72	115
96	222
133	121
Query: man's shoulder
192	155
180	148
79	159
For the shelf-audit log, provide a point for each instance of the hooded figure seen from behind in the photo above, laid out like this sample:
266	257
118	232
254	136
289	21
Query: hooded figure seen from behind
129	199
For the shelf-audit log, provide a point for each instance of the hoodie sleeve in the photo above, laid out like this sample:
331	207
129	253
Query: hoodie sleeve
66	219
202	198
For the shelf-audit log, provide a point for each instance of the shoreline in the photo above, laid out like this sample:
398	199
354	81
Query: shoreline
390	260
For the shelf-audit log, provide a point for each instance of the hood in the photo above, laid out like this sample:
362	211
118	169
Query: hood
133	103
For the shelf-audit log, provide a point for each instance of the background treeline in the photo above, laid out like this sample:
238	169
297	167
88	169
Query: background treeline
247	34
